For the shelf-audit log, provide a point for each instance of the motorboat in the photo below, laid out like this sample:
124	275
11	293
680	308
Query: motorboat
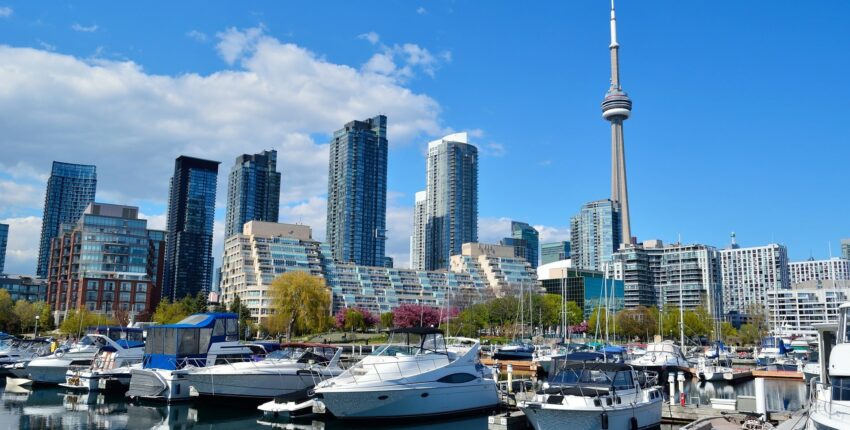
590	396
829	408
199	340
706	371
811	370
515	351
51	369
772	348
286	374
662	357
21	350
413	375
579	352
110	368
719	354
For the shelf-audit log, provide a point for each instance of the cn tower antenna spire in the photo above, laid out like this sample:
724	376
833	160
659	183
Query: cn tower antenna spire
616	108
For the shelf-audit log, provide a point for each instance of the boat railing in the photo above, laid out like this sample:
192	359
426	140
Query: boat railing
838	410
395	370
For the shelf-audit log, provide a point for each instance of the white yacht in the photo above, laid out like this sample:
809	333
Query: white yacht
286	374
199	340
413	375
109	369
594	395
663	357
51	369
830	405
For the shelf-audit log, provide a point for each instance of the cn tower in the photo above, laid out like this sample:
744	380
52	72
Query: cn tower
616	108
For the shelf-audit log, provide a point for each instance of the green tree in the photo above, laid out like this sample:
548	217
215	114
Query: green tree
575	314
45	322
387	320
199	304
354	320
8	319
170	313
670	322
600	315
503	313
301	303
77	320
727	330
471	320
26	312
639	322
750	334
698	322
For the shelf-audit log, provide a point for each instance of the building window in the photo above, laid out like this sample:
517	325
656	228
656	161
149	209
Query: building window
124	297
92	285
141	287
126	286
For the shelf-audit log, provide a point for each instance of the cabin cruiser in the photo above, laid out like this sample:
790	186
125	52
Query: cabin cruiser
413	375
580	352
830	405
772	349
51	369
662	356
22	350
287	373
515	351
110	367
585	395
199	340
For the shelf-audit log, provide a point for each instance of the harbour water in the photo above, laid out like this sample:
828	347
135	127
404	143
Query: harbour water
54	408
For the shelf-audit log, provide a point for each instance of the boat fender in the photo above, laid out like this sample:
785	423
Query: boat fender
604	418
653	358
633	424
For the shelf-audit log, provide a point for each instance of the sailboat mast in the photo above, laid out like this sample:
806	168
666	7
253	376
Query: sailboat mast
681	294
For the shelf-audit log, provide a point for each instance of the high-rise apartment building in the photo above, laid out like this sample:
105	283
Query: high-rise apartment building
834	269
357	192
451	199
253	191
417	240
191	211
747	274
4	238
845	248
555	251
595	233
70	189
521	230
107	261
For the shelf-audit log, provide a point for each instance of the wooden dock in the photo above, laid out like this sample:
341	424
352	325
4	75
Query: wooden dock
676	414
517	365
778	374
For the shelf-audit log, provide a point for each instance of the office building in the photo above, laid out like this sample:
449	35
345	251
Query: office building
191	211
105	262
497	268
520	246
747	274
357	192
21	287
70	188
253	191
794	312
555	251
835	269
4	239
589	289
263	251
451	199
529	234
417	240
595	233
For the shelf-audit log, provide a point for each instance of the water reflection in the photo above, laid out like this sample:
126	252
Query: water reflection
782	395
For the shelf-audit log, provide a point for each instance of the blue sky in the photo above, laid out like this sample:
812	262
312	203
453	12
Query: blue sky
738	122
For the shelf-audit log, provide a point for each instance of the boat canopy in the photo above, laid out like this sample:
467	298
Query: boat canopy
593	375
775	342
414	341
170	346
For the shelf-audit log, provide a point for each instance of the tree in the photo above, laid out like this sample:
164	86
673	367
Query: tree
78	320
411	315
354	318
547	308
727	330
698	322
600	316
45	322
670	322
25	312
301	303
122	317
750	334
199	304
472	320
387	320
575	314
170	313
637	322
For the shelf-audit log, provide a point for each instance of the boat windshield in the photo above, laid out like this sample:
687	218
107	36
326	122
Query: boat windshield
619	380
844	325
302	354
404	343
769	342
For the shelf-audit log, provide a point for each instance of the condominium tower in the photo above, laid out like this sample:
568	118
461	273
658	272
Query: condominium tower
521	230
451	199
554	251
191	211
4	238
595	232
747	274
70	189
253	191
357	192
834	269
417	240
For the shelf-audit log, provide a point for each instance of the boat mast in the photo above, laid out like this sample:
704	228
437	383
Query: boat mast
681	294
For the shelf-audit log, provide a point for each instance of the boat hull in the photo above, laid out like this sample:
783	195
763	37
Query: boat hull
255	386
648	415
50	371
411	401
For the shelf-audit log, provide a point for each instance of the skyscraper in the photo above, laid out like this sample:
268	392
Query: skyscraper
4	237
521	230
253	191
555	251
595	234
747	274
417	241
451	199
845	248
357	192
70	189
616	108
191	211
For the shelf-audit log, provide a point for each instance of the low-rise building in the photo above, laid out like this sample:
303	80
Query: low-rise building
795	311
589	289
22	287
497	265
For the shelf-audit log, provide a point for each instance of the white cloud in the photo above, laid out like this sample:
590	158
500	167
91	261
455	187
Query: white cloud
234	43
22	247
132	124
6	11
421	10
552	234
371	36
46	45
197	36
492	230
83	28
401	62
155	222
493	149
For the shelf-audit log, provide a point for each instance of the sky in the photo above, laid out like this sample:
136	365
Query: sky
739	117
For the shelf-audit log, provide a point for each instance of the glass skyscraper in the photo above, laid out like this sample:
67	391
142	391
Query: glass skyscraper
253	191
555	251
191	211
521	230
4	237
451	199
357	192
70	189
596	234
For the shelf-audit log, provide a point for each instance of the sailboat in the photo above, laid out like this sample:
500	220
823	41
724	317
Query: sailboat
518	349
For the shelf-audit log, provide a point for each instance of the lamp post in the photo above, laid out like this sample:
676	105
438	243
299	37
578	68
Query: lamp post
37	317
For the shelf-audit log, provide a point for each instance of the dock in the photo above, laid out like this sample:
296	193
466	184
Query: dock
517	365
778	374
